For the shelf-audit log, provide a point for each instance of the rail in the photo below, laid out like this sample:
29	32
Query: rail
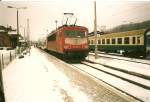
123	77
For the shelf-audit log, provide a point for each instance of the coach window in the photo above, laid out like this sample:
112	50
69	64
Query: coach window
88	41
103	41
108	41
138	40
91	41
119	40
113	41
99	41
126	40
133	40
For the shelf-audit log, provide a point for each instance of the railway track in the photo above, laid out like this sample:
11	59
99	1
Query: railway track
119	57
130	82
147	77
112	77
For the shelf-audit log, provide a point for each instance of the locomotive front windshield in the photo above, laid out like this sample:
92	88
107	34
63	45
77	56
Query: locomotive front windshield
75	33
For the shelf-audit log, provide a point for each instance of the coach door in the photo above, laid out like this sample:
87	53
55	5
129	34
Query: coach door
147	41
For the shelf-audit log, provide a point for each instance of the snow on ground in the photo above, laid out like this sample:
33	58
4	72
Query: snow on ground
121	64
121	74
35	79
127	87
125	58
136	91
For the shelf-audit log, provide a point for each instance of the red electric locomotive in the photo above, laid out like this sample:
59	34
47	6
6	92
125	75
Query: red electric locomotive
69	40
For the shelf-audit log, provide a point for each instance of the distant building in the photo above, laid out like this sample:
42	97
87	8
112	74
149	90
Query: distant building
7	39
98	33
4	38
13	37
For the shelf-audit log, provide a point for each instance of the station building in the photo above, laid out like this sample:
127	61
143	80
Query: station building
6	39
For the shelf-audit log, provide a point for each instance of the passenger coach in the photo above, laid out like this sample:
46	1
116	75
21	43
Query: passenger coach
130	43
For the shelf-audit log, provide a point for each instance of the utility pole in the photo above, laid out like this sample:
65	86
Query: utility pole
95	29
24	33
28	35
17	28
24	30
17	20
56	23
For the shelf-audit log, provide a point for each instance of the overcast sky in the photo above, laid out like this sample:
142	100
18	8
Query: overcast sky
42	14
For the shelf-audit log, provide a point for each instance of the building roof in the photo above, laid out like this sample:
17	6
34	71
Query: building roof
1	30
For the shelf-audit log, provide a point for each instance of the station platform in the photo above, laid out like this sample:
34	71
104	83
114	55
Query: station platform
39	77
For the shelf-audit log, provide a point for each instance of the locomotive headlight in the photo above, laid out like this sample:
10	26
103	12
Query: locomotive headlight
66	46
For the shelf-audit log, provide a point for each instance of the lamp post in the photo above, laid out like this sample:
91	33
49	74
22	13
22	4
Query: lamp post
17	8
24	33
95	29
56	23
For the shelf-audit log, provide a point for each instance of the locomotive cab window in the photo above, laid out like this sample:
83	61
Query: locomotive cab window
75	33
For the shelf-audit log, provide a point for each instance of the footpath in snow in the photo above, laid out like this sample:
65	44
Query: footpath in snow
30	80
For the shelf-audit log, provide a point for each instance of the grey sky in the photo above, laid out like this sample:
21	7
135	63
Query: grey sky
42	14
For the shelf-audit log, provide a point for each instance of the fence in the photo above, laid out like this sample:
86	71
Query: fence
6	56
2	99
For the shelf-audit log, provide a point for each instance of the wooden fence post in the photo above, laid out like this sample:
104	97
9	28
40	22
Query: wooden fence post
10	57
2	61
2	96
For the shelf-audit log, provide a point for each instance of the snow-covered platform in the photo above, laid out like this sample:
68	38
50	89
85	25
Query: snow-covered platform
41	77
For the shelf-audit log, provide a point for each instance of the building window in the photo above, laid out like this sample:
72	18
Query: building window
133	40
108	41
126	40
103	41
113	41
119	40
